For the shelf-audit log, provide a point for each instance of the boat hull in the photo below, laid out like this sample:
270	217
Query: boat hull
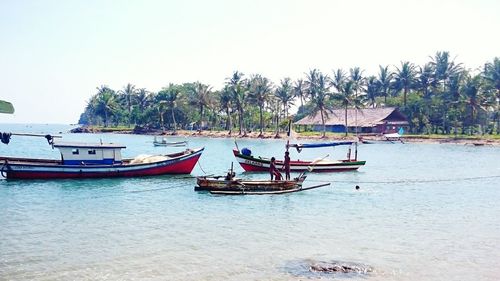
253	164
215	184
174	144
180	163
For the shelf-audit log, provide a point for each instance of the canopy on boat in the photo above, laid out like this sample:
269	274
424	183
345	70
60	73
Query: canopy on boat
299	146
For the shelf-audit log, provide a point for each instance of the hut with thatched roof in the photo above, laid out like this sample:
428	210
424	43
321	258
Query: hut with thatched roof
382	120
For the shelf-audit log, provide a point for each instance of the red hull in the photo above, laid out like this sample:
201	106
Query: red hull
181	166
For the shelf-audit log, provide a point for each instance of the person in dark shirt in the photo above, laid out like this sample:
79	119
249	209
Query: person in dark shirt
286	165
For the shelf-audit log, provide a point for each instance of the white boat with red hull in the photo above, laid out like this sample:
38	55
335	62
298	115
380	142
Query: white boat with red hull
252	163
79	160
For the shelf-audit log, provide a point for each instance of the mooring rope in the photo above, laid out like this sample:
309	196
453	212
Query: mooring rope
411	180
199	165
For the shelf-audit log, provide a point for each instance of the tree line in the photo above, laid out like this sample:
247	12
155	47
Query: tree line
439	97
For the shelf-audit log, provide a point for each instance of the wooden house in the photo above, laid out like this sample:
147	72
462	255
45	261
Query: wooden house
382	120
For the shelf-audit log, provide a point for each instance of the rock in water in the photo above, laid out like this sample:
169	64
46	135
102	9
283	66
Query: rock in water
314	269
339	267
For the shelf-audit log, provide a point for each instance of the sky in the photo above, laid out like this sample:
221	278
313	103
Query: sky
54	54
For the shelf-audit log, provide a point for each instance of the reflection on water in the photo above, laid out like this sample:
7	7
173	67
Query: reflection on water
159	228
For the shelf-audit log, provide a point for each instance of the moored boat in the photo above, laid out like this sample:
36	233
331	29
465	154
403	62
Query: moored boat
165	142
81	160
237	184
252	163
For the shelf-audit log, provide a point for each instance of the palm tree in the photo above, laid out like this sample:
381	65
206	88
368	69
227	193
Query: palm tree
285	94
372	90
225	100
106	102
127	96
404	79
319	92
474	99
236	84
168	98
259	94
200	98
299	91
384	81
491	74
358	83
343	92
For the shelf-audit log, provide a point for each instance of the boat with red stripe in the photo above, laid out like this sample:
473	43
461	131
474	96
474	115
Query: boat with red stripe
81	160
252	163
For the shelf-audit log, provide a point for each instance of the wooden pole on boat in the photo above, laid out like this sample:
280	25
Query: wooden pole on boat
311	167
356	151
34	135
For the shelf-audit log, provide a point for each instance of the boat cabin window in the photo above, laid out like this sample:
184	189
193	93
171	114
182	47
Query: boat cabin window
75	151
92	151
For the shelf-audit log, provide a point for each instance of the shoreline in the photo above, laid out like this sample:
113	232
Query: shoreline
473	141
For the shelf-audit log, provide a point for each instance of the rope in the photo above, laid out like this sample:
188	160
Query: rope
414	180
199	165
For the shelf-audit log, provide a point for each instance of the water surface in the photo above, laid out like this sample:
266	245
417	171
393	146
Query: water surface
424	212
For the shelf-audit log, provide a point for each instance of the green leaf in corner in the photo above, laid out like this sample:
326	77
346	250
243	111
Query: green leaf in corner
6	107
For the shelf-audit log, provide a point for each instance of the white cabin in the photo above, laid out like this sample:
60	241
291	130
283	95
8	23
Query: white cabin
90	153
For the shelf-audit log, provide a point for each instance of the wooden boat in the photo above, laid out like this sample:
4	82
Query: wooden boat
252	163
237	185
80	160
164	142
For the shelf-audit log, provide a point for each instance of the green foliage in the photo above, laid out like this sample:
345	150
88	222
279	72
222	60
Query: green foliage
440	97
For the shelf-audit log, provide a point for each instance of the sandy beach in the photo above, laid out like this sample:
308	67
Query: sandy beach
473	141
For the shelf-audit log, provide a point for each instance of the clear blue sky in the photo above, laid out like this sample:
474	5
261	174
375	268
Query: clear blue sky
53	54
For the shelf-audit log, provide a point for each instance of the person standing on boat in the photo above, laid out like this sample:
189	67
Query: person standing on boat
286	165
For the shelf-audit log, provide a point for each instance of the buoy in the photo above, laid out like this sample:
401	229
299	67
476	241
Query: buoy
357	187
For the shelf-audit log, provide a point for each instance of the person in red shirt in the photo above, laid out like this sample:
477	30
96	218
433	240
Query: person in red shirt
275	174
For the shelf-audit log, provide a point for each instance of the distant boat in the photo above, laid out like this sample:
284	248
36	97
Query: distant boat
395	136
164	142
252	163
101	160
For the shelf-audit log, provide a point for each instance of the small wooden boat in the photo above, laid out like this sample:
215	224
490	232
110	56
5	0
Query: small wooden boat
237	185
164	142
80	160
252	163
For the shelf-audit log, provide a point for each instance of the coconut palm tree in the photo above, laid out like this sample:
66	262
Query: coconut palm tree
343	92
237	85
372	90
225	100
491	74
358	84
299	91
201	98
285	94
127	96
106	102
473	97
167	99
319	92
384	81
404	79
259	94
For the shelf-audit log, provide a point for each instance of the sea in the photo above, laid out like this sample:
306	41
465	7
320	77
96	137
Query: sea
422	212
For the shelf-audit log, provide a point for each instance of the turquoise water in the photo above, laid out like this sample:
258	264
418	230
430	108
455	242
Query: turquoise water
424	212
